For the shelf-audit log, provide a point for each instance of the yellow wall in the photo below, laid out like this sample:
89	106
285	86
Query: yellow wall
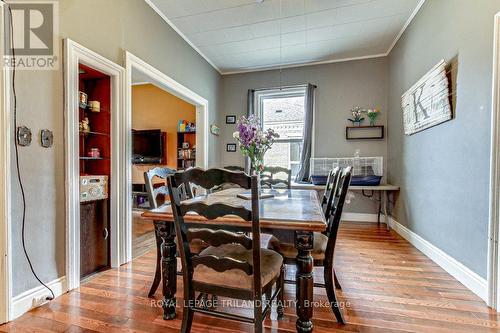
154	108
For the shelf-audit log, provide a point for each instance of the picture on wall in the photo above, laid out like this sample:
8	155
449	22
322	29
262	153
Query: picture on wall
231	147
427	102
230	119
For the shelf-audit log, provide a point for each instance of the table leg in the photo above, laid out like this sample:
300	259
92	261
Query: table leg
157	278
304	281
386	201
169	270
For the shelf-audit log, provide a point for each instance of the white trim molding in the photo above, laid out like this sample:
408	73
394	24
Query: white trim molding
459	271
77	54
179	32
286	65
361	217
5	217
164	82
36	297
494	213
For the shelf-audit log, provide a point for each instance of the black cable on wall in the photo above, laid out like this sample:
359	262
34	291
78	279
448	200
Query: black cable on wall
19	178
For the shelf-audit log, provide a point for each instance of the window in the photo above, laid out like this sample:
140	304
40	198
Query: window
283	111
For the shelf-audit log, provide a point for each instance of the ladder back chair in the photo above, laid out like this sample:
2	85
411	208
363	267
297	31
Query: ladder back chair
233	265
153	194
234	168
269	177
324	243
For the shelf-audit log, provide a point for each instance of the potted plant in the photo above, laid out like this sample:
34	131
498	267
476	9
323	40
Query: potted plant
357	118
372	114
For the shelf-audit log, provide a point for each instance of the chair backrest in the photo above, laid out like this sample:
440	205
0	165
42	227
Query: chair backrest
212	210
234	168
338	206
154	192
269	177
329	193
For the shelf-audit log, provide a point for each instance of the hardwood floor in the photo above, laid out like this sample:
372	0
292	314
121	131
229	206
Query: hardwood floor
143	235
388	286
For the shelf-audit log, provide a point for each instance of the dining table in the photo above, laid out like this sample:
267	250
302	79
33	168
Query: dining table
292	215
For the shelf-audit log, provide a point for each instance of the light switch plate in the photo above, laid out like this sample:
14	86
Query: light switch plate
23	136
46	138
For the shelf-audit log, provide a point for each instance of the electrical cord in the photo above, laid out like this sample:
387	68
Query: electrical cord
19	178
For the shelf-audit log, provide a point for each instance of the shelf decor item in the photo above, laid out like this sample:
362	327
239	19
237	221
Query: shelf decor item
372	115
357	114
95	106
254	142
231	119
231	147
83	98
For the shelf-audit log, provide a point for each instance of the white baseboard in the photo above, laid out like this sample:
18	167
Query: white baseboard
361	217
35	297
459	271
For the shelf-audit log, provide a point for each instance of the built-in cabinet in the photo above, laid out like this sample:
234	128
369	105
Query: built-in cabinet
94	118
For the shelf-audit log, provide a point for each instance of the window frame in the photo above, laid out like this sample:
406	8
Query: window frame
288	92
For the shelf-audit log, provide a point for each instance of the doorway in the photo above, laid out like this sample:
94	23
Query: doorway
163	136
138	73
494	225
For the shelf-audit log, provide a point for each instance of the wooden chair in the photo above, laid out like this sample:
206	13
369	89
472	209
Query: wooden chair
234	265
269	179
234	168
324	244
153	194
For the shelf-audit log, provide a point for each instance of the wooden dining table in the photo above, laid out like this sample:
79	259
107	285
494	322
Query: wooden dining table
291	215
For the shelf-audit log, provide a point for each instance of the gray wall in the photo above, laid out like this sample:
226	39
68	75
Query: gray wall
108	27
444	171
340	87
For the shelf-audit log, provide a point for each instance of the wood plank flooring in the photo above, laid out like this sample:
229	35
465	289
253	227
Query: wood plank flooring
388	286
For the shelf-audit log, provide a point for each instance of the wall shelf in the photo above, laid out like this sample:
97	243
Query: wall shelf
364	132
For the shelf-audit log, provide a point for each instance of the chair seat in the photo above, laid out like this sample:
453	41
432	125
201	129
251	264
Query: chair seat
271	263
288	250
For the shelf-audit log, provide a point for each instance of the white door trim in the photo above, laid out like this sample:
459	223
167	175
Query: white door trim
165	82
75	54
5	218
493	246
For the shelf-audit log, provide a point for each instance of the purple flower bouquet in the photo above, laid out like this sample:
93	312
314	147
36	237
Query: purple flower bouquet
253	141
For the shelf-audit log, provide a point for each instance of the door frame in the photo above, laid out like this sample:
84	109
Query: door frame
75	54
5	208
167	83
494	213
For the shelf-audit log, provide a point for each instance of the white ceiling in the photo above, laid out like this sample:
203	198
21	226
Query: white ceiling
245	35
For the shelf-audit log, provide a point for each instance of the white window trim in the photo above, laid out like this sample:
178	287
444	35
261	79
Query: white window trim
290	91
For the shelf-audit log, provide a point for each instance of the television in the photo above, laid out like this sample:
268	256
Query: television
147	146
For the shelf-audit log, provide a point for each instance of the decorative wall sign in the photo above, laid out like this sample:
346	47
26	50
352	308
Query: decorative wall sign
231	147
427	102
214	129
231	119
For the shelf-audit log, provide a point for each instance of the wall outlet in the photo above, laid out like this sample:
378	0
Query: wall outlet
39	301
23	136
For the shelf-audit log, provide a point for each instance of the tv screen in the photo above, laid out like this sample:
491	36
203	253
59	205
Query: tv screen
147	146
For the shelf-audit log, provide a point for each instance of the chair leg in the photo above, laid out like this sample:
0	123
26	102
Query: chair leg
337	283
330	291
257	313
281	296
187	319
157	278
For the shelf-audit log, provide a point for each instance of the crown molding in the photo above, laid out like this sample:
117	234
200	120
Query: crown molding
289	65
303	64
407	24
179	32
